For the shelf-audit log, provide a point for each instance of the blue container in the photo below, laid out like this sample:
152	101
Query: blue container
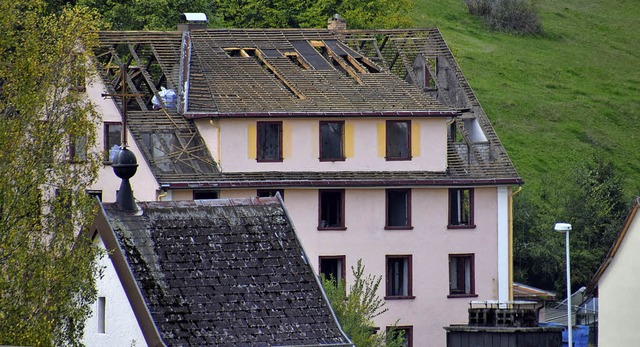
580	334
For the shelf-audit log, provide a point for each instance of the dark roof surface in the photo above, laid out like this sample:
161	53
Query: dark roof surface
267	70
224	273
261	73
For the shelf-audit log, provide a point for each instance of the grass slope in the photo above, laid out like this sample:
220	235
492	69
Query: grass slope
557	99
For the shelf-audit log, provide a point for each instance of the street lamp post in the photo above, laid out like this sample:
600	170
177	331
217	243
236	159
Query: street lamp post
565	228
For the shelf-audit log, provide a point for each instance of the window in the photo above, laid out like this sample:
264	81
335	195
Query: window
205	194
78	149
95	194
398	140
398	209
405	330
399	285
331	205
331	141
332	267
101	314
461	208
64	203
265	193
461	275
269	141
112	139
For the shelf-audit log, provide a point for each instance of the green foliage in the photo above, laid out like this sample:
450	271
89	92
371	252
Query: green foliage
164	14
591	199
148	14
517	16
356	310
46	271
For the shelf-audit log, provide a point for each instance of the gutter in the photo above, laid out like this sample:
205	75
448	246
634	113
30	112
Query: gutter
351	183
316	114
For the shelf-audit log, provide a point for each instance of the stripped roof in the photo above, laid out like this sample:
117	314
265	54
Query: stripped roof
301	73
218	273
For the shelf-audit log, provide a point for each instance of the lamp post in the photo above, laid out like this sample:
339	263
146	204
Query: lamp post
565	228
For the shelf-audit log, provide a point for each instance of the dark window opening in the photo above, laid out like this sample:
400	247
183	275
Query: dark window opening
95	194
267	193
205	194
112	140
461	274
331	141
404	332
332	267
398	209
399	277
269	141
331	209
298	61
398	140
78	149
461	208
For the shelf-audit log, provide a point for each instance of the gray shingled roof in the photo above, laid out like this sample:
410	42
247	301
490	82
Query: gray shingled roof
262	73
224	273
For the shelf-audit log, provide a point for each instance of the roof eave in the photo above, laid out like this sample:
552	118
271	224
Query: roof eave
367	183
307	114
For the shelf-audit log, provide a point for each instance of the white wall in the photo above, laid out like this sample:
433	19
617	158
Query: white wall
617	294
121	326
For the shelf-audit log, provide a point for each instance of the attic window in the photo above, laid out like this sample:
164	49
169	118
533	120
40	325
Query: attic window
259	58
297	60
344	59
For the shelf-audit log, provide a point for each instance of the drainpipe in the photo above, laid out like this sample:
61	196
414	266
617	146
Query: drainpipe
162	195
511	241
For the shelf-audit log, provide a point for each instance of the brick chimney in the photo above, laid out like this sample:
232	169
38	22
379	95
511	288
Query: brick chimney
336	23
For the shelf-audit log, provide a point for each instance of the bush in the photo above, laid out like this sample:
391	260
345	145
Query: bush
517	16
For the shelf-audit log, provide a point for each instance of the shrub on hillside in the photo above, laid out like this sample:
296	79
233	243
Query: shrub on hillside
517	16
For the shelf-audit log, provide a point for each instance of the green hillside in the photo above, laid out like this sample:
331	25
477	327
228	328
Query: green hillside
557	99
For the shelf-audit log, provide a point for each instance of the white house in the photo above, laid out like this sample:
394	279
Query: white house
616	283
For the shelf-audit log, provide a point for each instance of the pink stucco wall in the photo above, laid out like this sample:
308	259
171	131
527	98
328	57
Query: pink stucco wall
429	243
233	146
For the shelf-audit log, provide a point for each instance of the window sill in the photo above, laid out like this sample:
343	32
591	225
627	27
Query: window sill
408	227
469	226
406	297
331	159
332	228
269	160
453	296
398	158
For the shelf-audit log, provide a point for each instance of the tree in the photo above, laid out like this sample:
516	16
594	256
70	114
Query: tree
46	271
591	199
147	14
356	310
359	14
